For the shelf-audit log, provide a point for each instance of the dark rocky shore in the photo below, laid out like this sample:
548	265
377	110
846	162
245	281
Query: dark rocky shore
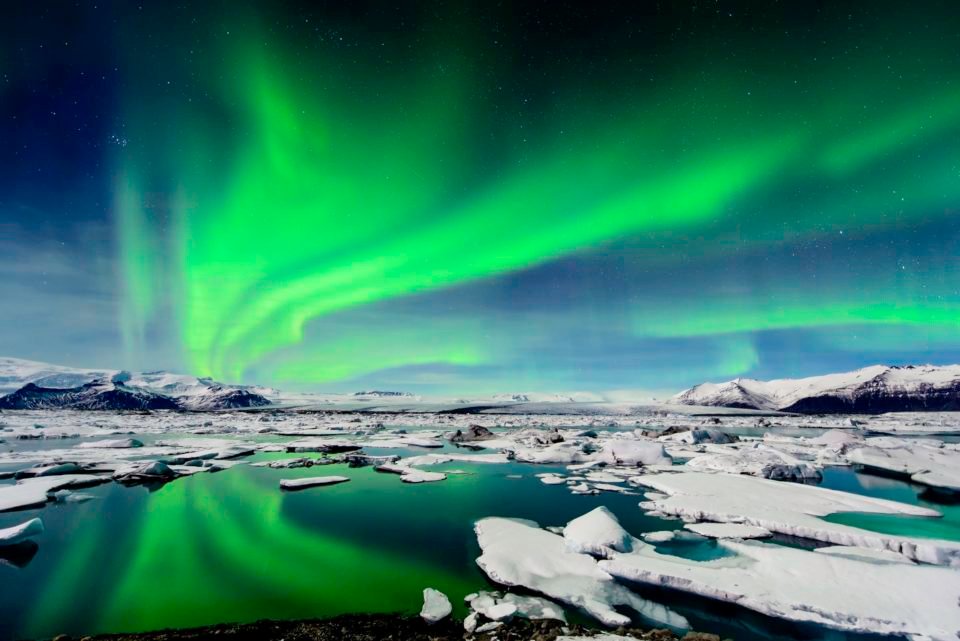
382	628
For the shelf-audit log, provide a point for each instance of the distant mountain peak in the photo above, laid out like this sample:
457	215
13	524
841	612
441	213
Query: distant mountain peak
877	388
35	385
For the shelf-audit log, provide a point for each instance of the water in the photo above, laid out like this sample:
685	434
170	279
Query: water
231	546
947	527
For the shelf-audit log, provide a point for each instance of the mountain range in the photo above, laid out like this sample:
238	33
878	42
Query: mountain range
879	388
34	385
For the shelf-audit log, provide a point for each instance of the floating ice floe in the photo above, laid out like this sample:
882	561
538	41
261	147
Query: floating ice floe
52	469
112	444
634	452
865	554
496	606
294	463
552	479
934	465
149	471
519	553
312	481
326	445
755	459
22	532
419	476
33	492
916	601
436	606
696	436
790	508
728	530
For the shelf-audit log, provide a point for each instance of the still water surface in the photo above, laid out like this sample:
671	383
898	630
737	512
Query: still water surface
231	546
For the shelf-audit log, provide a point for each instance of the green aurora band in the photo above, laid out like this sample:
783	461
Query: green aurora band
300	192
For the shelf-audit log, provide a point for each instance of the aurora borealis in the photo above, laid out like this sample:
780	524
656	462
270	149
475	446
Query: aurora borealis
461	196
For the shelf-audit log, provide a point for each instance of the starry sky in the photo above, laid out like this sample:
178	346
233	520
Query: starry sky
480	196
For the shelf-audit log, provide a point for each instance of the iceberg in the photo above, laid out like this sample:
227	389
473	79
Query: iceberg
519	553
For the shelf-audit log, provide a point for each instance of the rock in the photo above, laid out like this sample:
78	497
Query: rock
436	606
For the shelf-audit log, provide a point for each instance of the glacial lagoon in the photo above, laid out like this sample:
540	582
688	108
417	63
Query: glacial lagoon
231	546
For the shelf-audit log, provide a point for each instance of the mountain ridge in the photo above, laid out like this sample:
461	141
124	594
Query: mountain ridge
873	389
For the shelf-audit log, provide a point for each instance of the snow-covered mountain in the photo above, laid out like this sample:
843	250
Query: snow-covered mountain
35	385
879	388
16	372
97	395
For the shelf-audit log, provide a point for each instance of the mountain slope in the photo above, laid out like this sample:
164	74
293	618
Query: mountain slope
97	395
878	388
35	385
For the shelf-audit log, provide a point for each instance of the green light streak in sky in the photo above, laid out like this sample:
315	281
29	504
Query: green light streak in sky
322	197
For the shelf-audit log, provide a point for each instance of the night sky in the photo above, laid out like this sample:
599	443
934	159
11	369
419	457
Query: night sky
478	196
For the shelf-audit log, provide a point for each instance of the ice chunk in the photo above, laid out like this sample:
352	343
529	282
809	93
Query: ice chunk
728	530
865	554
146	471
33	492
311	481
119	443
22	532
597	533
419	476
436	606
757	460
933	466
635	452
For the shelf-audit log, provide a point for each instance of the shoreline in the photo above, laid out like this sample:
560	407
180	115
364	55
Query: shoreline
386	627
